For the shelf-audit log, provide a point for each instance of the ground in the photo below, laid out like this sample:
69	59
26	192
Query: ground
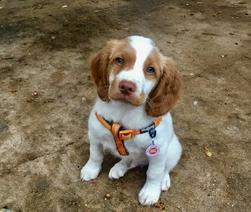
46	94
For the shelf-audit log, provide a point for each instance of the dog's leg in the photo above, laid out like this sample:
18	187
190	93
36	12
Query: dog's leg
166	182
120	168
93	166
150	192
173	155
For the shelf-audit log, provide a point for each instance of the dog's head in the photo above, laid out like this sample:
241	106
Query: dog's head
134	71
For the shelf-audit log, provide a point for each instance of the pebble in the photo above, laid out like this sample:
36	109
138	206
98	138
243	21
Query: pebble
107	196
195	103
34	93
83	99
64	6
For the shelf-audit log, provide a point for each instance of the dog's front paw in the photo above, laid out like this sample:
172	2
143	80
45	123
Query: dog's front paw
149	194
90	171
117	171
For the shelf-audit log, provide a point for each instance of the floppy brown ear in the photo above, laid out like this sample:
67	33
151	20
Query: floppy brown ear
99	70
166	93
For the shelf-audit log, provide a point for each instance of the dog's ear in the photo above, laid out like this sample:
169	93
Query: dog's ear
99	64
166	92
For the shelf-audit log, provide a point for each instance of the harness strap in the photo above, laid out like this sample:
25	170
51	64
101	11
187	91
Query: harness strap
119	134
118	141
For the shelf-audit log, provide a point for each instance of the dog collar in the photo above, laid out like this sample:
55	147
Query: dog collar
120	134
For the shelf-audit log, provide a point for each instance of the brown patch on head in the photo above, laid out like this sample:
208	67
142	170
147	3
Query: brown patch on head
124	51
103	63
99	70
164	96
153	60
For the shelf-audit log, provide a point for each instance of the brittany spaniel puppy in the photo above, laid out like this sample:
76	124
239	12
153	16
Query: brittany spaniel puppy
137	86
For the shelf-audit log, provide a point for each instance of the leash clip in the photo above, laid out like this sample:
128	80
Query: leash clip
152	132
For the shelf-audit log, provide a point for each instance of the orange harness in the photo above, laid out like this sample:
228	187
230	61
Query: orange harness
121	134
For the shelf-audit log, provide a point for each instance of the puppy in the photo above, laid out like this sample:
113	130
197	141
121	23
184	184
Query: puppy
137	86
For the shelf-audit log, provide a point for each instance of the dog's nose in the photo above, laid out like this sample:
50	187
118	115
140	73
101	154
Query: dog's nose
127	87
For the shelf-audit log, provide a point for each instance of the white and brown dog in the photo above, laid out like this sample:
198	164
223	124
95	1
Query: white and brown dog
137	87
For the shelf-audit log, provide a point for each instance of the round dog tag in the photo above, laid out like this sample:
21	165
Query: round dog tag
152	150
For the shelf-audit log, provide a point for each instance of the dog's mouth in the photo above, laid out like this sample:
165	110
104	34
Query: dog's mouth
124	94
131	99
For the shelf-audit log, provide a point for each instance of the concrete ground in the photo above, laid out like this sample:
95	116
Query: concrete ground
46	94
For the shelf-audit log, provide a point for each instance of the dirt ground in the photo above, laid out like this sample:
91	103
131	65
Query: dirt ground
46	94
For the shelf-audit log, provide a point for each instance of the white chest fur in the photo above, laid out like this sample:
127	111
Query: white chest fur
129	117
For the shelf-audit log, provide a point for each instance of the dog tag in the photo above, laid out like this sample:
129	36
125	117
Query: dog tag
152	150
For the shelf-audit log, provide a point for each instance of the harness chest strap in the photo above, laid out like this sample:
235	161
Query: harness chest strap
120	134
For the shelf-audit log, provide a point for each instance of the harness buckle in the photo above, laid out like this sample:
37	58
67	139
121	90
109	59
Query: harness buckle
126	134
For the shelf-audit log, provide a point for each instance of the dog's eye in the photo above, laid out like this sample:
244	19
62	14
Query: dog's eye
119	61
150	70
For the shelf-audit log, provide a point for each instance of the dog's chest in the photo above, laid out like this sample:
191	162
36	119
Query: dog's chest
137	145
128	118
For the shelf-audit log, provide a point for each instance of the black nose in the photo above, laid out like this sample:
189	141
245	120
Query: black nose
127	87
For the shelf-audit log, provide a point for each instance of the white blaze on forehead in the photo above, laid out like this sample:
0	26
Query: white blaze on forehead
143	47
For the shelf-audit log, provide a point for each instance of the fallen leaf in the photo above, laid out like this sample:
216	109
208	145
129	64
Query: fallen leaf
208	152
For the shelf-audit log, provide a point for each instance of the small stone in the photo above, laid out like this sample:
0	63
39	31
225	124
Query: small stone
191	74
34	94
195	103
53	37
83	99
107	196
64	6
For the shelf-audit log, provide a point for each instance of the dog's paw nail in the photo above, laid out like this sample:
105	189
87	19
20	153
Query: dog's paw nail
149	194
89	172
